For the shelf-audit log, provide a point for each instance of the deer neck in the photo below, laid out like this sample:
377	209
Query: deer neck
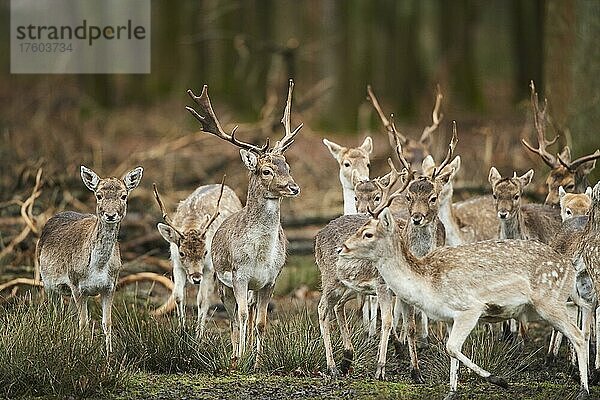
349	196
454	235
104	239
421	239
512	228
263	212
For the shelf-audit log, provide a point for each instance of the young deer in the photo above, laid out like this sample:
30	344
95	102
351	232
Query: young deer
462	285
529	221
571	175
353	162
574	204
249	248
79	253
190	235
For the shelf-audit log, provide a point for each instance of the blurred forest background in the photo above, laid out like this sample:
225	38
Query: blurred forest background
483	54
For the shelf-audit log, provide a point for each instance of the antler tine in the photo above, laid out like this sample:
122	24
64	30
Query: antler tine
539	122
573	165
288	139
451	147
390	128
165	217
216	213
436	117
407	180
210	124
398	145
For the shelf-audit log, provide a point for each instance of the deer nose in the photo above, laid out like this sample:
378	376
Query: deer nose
294	189
111	217
503	214
196	278
417	219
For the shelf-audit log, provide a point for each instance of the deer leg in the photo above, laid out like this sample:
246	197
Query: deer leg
597	325
424	327
374	304
384	298
462	326
396	316
240	291
262	304
179	291
324	310
228	300
340	314
81	304
558	317
107	300
202	303
363	303
251	318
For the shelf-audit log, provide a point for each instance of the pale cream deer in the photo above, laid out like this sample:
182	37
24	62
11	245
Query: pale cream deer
465	284
79	253
190	235
249	248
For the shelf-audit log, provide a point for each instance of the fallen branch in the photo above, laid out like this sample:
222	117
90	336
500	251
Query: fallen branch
20	281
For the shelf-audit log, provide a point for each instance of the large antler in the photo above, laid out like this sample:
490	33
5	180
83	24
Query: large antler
216	213
391	130
387	198
451	147
436	118
283	144
539	121
210	124
573	165
165	217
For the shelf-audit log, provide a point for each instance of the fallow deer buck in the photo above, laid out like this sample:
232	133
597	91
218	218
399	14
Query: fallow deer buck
249	248
190	235
572	175
465	284
353	162
341	280
79	253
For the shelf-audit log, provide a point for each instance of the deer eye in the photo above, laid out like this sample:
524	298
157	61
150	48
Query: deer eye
346	164
494	197
181	254
569	212
124	197
516	197
98	196
570	186
377	198
266	172
432	199
368	235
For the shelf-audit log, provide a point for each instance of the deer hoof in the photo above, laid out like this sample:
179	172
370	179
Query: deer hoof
334	372
496	380
416	376
380	374
452	395
346	363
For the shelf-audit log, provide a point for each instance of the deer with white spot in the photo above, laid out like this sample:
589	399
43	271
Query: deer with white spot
190	235
79	253
465	284
249	248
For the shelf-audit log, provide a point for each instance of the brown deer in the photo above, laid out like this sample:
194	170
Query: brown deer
517	221
571	175
465	284
79	253
190	235
249	248
353	162
574	204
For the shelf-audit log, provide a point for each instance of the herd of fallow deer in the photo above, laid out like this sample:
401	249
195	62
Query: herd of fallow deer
402	248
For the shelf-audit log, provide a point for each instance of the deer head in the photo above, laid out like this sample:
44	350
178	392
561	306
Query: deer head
370	193
574	204
507	192
414	151
353	161
191	243
571	175
111	193
269	171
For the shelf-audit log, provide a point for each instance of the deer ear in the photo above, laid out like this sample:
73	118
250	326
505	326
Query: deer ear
89	178
588	191
587	167
428	165
367	145
168	233
456	165
445	177
561	192
249	159
526	178
334	148
494	176
596	194
132	178
386	220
